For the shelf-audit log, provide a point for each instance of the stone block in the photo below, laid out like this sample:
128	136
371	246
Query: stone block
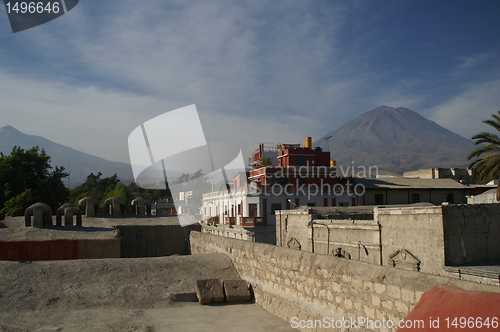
209	291
375	300
379	288
394	292
401	307
408	295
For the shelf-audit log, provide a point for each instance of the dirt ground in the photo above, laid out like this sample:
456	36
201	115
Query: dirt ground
136	294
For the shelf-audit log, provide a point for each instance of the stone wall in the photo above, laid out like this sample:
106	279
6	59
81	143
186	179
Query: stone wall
426	238
298	285
471	233
291	230
348	237
441	236
412	238
154	240
458	174
261	234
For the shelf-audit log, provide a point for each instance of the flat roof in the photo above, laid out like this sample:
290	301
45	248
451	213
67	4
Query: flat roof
125	294
489	269
361	209
93	228
410	183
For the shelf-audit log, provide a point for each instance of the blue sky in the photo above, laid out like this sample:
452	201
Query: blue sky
258	71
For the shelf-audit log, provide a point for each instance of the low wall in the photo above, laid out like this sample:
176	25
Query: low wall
154	240
261	234
300	286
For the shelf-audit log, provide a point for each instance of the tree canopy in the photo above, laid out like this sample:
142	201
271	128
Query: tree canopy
26	178
487	166
103	188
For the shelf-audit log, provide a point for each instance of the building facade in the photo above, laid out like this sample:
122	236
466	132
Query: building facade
459	241
390	191
284	176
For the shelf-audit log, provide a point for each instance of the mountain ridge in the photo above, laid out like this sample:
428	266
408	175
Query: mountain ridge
82	164
396	140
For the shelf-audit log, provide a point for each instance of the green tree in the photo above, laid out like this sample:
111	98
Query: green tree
26	178
266	161
118	190
487	166
101	189
94	187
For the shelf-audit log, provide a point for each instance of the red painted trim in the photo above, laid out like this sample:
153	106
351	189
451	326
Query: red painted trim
39	250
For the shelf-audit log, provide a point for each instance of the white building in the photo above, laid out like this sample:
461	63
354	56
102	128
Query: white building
298	176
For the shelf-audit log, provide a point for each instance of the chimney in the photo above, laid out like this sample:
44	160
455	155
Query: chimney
308	142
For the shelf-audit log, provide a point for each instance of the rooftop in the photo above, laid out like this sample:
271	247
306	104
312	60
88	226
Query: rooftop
410	183
137	294
354	210
490	269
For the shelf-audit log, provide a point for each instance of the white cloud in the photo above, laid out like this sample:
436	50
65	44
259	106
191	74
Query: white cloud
257	72
247	75
464	113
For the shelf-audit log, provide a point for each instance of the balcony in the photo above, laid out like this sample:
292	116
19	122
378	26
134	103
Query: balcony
230	220
253	221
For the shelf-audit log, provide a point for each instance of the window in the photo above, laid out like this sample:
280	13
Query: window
415	198
301	180
277	180
449	198
239	209
301	160
311	204
252	210
274	207
379	199
344	204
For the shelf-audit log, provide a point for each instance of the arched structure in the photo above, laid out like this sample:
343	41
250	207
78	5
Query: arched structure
41	213
91	206
69	210
115	206
142	206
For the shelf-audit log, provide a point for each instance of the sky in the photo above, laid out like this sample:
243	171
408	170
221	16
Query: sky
257	71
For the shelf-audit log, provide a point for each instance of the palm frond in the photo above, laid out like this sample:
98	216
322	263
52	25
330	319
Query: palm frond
495	123
487	166
485	137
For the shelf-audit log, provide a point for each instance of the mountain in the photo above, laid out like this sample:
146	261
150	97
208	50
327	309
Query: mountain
396	140
82	164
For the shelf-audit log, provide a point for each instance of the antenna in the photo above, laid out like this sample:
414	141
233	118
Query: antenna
328	142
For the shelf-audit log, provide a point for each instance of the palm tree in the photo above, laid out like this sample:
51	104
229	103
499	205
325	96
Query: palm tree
487	167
